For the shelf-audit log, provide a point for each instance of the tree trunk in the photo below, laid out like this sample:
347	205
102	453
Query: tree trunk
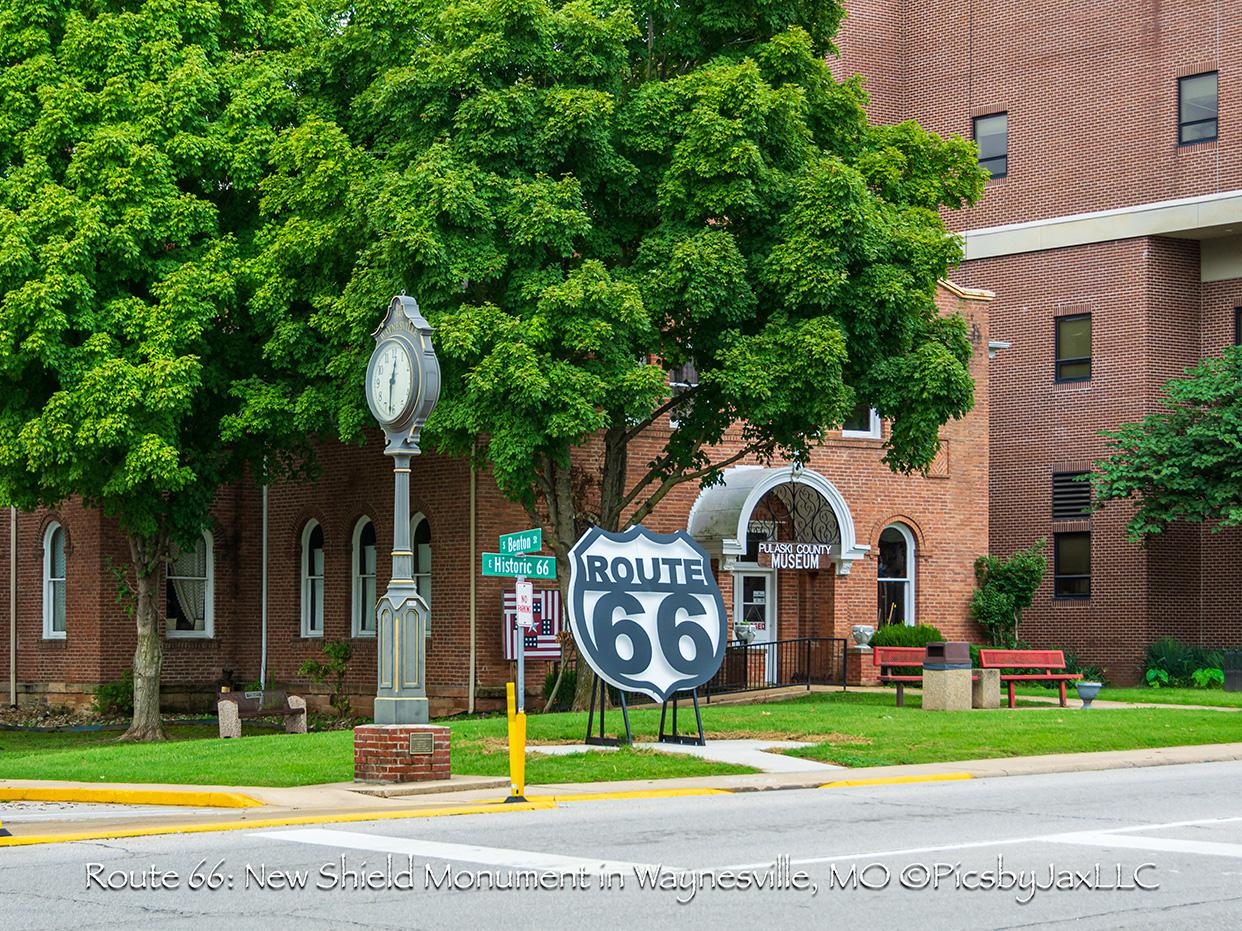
148	654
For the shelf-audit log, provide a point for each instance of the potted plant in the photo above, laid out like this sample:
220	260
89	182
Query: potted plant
1087	691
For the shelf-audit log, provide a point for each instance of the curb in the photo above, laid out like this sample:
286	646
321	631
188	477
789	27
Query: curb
181	797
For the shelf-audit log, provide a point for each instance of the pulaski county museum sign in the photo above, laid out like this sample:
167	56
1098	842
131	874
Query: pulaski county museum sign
796	555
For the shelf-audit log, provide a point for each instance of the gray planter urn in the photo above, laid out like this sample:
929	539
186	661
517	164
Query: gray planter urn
1087	692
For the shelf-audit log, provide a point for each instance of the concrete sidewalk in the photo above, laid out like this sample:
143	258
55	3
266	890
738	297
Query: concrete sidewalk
346	802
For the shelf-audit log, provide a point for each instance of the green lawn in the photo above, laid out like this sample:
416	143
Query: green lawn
1213	698
853	729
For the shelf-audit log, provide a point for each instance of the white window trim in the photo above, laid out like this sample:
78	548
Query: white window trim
307	580
209	600
358	579
911	573
48	602
871	433
418	577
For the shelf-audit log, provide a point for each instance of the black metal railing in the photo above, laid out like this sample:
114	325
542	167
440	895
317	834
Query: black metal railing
803	661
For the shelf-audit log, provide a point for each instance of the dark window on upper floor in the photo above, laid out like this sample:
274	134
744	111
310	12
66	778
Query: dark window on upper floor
1197	108
992	136
1237	326
1073	348
1071	495
1071	562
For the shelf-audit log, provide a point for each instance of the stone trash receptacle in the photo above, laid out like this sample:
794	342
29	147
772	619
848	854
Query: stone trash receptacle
985	688
946	677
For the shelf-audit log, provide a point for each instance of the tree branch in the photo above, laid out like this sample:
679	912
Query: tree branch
673	481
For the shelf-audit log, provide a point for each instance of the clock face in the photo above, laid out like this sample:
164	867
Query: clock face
392	381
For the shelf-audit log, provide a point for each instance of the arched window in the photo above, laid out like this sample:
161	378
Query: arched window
54	582
312	580
420	537
895	576
189	597
364	579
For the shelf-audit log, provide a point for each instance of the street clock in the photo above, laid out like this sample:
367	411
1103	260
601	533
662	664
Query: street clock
403	376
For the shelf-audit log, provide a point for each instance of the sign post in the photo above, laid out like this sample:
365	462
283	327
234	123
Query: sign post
514	562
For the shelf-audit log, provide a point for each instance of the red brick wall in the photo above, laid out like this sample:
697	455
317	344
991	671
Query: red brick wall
1090	88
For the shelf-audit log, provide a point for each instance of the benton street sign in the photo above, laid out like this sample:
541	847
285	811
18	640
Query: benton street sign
512	567
524	541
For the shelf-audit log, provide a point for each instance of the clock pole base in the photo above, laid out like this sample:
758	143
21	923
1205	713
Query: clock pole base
401	753
401	710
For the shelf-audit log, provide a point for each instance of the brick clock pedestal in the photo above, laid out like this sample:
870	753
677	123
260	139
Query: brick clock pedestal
401	752
859	666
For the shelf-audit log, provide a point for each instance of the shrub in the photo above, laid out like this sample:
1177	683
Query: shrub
1179	661
1208	678
565	694
116	698
1005	586
899	635
338	654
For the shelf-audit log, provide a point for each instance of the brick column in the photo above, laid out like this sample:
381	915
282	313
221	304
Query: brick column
859	666
397	753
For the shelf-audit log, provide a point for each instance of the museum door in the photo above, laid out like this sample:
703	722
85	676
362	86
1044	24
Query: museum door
756	606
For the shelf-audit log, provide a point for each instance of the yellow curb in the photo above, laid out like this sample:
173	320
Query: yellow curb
896	780
637	793
22	841
185	797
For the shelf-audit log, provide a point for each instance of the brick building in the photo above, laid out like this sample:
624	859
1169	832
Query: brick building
1111	234
900	547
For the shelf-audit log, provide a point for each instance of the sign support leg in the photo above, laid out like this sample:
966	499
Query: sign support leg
672	737
599	691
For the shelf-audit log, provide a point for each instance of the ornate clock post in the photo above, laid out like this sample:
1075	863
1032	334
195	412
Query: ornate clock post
402	387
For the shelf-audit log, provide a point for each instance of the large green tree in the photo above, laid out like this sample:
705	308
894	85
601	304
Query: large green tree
1184	462
586	194
133	136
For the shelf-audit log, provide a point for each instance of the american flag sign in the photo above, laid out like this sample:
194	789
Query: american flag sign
544	641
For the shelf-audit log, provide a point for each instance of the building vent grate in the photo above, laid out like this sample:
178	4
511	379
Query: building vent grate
1071	496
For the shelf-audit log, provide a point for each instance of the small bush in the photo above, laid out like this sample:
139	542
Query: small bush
333	671
1208	678
1179	662
116	698
565	694
899	635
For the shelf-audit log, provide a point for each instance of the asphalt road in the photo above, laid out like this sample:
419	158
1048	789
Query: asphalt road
977	854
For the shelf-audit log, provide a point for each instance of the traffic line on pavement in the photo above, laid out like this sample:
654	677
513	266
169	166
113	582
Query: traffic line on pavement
193	798
896	780
437	850
1154	844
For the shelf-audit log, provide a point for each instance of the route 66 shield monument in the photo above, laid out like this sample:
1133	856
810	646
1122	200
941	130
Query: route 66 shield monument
645	610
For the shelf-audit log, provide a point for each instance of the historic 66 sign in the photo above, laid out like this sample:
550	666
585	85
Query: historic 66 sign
645	610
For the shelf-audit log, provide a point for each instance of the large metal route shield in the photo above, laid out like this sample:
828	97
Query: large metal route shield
645	610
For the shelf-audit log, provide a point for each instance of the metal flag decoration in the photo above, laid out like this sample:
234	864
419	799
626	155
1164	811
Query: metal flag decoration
645	610
544	641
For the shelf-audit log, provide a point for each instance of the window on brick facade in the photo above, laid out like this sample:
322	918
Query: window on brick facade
862	423
1237	326
1071	565
364	596
1073	348
312	580
189	593
992	137
1197	108
680	380
1071	495
895	576
420	537
54	582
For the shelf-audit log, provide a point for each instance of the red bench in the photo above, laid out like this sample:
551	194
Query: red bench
1045	660
888	657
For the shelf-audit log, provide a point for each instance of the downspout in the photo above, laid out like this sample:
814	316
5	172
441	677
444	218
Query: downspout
470	569
13	607
263	600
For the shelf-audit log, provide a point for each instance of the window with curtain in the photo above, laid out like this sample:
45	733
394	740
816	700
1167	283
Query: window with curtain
895	576
312	580
188	593
364	579
420	537
54	582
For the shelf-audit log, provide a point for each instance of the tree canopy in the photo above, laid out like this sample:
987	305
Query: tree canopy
133	136
1184	462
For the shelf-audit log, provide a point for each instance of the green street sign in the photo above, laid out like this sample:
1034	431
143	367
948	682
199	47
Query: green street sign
511	567
523	541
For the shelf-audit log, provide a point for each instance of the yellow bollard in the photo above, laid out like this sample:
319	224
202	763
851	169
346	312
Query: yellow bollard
517	747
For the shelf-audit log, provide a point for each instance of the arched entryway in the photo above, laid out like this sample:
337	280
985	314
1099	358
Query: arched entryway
781	536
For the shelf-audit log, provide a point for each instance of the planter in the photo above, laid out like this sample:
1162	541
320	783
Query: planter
1087	692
